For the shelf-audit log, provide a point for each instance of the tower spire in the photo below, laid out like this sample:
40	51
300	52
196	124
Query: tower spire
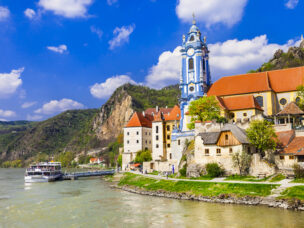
193	21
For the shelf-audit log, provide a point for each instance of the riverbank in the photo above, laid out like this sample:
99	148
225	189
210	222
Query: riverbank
214	192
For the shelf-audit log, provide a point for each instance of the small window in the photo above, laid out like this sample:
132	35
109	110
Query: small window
170	156
283	101
230	150
260	100
191	88
168	128
137	141
207	152
137	133
128	133
178	142
156	137
149	142
291	157
232	115
191	64
218	152
156	129
192	38
168	137
245	114
226	137
298	99
146	142
149	133
128	142
248	150
282	157
146	133
157	146
168	145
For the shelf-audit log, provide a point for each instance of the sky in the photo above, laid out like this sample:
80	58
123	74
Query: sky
57	55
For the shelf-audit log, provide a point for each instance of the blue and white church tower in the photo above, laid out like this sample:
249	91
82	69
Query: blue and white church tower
195	76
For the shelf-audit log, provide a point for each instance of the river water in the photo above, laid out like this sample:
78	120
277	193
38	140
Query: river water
92	203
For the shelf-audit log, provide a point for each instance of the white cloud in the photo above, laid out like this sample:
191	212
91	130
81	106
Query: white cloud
121	36
97	31
10	82
227	12
4	13
30	13
3	120
34	117
66	8
28	104
227	58
56	106
60	49
7	113
111	2
166	71
291	4
105	89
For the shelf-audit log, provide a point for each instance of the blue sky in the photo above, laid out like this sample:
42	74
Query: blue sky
68	54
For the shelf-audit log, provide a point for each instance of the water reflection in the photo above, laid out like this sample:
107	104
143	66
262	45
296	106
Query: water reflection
92	203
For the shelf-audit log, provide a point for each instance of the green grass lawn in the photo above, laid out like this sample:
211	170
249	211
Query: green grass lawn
197	188
294	192
298	180
277	178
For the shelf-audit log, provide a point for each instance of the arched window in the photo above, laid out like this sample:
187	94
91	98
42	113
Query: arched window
260	101
192	38
191	64
283	101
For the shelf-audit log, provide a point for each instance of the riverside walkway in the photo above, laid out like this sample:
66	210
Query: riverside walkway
76	175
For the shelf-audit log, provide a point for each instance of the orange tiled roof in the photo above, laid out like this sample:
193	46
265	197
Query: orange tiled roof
175	114
151	111
285	137
291	109
296	147
139	120
277	80
239	103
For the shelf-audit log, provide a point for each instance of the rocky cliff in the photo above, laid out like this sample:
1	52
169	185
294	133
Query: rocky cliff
82	130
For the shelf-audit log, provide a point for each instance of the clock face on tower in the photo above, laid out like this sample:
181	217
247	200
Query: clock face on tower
190	51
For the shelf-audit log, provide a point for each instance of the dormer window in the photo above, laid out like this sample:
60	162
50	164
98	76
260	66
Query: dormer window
192	38
191	64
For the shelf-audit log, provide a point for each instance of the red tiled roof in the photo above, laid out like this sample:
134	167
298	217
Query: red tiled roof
277	80
151	111
296	147
139	120
285	137
291	109
239	103
175	114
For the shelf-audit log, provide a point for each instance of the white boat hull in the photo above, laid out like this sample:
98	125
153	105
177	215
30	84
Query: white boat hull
41	178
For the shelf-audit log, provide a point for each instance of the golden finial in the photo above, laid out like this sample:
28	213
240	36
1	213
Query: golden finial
205	39
193	22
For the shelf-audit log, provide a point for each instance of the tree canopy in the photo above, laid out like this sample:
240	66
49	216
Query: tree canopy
143	156
204	109
262	135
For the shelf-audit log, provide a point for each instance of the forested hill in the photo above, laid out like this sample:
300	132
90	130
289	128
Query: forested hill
294	57
80	130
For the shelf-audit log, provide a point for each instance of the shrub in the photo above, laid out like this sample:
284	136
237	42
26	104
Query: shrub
143	156
298	171
214	170
183	171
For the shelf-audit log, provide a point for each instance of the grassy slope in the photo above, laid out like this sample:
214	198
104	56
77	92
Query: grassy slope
197	188
296	192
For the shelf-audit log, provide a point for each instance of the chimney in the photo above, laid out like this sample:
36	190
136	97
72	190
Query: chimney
157	109
143	113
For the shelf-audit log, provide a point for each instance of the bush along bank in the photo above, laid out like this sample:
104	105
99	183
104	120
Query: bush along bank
230	193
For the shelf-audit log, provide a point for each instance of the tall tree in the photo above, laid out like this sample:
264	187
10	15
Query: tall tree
242	161
262	135
204	109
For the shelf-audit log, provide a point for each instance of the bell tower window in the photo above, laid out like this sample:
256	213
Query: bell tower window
191	64
192	38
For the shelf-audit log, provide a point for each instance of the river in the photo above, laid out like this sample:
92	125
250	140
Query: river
92	203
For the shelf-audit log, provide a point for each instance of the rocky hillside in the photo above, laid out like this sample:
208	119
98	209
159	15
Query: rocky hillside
294	57
80	130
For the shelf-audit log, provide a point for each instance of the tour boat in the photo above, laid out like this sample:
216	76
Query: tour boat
43	172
